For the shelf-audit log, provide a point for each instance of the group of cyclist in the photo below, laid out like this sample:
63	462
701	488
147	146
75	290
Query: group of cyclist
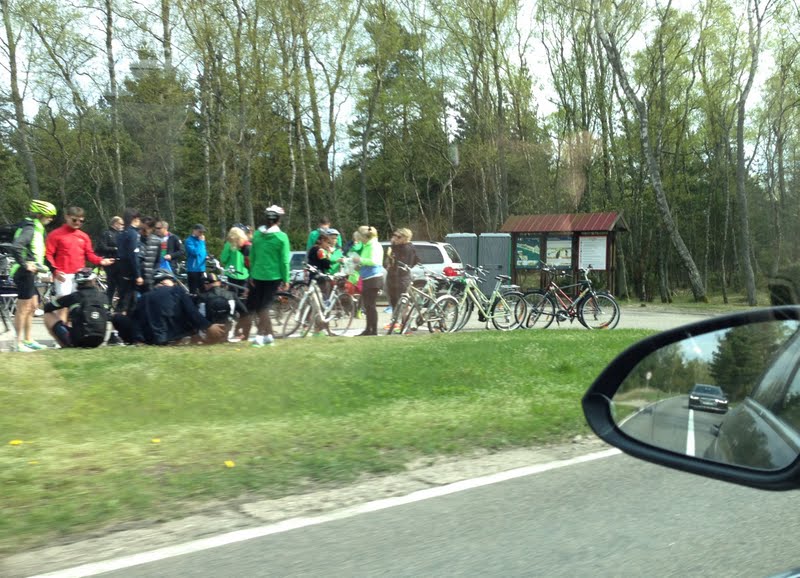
150	304
145	300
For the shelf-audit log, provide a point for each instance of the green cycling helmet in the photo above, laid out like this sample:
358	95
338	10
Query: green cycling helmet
42	208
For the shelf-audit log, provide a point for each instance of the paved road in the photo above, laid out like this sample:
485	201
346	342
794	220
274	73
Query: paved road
671	425
611	517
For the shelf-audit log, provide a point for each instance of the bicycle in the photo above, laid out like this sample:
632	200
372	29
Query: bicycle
284	303
334	313
419	306
505	307
593	309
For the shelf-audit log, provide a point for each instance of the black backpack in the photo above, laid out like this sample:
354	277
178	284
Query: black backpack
90	317
218	310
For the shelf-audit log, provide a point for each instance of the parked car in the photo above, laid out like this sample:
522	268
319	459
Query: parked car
705	397
297	263
434	257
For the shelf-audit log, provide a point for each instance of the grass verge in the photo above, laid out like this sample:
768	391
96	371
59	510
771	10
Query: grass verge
115	435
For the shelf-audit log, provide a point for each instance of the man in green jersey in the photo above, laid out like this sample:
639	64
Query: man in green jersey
269	271
28	252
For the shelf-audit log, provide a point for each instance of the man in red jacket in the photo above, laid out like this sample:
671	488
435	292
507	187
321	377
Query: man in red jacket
67	249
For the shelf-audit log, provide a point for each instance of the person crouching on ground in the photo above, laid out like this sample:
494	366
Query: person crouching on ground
88	313
221	305
167	316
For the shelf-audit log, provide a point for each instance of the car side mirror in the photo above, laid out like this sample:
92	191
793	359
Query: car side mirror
718	398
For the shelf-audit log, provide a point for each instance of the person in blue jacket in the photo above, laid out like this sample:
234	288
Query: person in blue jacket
195	246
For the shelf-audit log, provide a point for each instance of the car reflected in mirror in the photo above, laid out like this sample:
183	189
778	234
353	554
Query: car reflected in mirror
720	397
678	397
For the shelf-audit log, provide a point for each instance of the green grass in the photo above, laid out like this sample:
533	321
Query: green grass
124	434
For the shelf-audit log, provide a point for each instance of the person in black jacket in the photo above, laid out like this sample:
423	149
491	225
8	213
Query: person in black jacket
401	252
167	315
88	314
171	247
130	268
107	248
221	305
149	251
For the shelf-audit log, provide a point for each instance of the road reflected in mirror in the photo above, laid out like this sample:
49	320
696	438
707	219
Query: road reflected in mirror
730	396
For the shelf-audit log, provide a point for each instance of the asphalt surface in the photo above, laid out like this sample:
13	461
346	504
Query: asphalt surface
671	425
611	517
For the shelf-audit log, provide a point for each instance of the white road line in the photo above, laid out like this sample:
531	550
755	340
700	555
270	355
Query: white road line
295	523
690	435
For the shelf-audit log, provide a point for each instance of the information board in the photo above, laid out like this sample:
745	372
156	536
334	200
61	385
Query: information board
592	251
559	252
528	252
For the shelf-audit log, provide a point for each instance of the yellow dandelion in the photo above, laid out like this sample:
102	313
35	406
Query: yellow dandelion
229	463
16	442
33	462
156	440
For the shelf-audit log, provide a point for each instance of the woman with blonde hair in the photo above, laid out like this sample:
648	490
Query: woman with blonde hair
370	268
234	255
400	256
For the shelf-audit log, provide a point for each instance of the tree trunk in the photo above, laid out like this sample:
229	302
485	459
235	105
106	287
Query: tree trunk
695	279
116	175
23	136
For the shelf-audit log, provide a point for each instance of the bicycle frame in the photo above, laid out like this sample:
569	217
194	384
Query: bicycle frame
481	301
565	303
314	309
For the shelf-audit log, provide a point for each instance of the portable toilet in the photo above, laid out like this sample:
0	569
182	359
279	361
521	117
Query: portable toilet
467	246
494	255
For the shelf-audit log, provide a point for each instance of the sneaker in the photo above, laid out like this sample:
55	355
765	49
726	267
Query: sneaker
269	340
115	340
38	313
22	348
388	309
34	345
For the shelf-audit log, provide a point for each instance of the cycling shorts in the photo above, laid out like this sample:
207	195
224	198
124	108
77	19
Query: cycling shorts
26	283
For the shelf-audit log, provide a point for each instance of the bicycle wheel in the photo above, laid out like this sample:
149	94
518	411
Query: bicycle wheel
465	308
443	315
309	320
599	311
408	323
299	318
283	308
341	315
541	310
508	311
398	314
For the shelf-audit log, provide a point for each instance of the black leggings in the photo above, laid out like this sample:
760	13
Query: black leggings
369	297
397	286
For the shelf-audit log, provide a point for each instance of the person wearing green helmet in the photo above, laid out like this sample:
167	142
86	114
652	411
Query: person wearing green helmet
28	252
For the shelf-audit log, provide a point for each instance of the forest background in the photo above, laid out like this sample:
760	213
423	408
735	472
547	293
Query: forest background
439	115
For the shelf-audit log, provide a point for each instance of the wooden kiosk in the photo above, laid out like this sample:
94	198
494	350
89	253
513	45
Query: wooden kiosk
568	241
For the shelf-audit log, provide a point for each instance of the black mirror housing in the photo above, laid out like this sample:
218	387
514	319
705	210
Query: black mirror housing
599	410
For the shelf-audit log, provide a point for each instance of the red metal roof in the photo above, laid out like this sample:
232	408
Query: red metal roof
565	223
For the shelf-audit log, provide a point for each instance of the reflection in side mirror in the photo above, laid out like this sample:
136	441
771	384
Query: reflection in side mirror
731	396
